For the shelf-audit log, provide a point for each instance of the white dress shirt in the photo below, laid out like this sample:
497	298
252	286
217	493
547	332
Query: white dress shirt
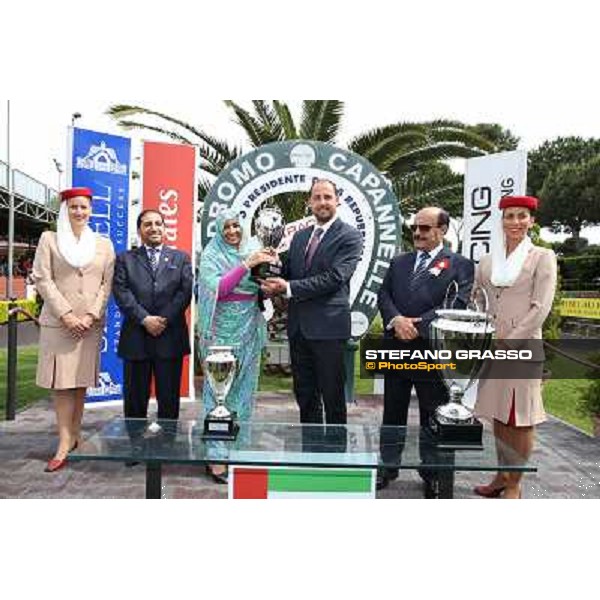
432	254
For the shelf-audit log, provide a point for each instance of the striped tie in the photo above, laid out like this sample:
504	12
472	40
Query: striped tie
153	255
312	247
419	271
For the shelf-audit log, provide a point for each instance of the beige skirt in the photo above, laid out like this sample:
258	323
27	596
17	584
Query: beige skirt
66	363
495	399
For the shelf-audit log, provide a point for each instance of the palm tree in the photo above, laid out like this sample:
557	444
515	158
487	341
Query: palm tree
401	151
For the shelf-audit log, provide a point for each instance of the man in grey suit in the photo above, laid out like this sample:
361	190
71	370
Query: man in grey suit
316	280
153	287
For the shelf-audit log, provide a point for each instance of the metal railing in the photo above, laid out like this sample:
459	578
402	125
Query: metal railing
12	352
28	187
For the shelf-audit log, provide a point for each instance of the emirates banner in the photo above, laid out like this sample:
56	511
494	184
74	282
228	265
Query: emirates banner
487	179
169	186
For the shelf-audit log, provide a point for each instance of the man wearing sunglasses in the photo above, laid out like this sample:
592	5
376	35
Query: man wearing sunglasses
414	287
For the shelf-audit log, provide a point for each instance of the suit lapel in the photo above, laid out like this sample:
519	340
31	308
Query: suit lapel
326	240
166	257
142	257
302	245
428	275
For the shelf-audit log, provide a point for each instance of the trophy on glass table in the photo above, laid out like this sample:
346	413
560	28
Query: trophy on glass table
460	329
220	370
270	228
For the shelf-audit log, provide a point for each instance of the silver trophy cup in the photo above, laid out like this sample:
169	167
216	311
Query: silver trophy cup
460	329
270	228
220	371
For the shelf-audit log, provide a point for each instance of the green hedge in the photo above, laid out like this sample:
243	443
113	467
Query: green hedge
29	305
580	271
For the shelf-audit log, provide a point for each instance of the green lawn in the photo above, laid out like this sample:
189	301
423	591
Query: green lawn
27	391
561	399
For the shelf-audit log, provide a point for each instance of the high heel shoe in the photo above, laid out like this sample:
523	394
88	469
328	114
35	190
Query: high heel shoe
217	477
74	446
55	464
489	491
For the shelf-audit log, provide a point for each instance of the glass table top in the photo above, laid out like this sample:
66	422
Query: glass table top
291	444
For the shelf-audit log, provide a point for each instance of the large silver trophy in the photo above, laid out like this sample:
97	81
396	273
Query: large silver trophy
270	228
220	370
460	329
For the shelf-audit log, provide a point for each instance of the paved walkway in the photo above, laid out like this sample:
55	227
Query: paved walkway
568	460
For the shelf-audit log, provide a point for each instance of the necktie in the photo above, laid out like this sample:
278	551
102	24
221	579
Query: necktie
153	256
420	270
312	246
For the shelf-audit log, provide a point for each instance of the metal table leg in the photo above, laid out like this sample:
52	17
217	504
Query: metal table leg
154	480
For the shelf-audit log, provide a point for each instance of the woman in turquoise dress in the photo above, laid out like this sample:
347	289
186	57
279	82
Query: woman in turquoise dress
229	314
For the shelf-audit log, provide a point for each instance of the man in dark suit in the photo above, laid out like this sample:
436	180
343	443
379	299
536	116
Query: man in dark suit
316	279
413	288
153	287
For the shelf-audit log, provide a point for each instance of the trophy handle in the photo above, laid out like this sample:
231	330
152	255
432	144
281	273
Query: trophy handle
486	300
450	285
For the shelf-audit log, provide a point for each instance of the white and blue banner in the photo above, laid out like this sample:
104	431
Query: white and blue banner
488	179
102	162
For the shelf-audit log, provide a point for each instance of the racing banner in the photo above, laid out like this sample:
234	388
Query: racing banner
487	179
169	186
102	162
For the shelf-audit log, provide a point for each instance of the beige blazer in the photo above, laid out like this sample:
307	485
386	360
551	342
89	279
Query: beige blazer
519	312
65	288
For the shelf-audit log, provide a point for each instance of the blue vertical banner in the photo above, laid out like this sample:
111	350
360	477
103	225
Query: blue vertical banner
102	162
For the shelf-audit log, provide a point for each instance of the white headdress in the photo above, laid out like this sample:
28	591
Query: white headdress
506	269
77	252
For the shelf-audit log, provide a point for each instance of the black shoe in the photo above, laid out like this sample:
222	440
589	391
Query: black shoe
219	477
430	490
384	476
132	463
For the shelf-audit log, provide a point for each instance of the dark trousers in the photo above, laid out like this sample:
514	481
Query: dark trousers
136	392
319	377
431	393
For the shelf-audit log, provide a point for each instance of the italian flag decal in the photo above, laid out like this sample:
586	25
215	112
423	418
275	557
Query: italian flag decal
292	482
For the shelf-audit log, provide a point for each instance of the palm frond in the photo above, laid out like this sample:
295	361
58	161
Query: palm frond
204	187
371	141
249	123
211	161
381	146
285	118
321	119
127	125
412	159
270	120
462	135
118	111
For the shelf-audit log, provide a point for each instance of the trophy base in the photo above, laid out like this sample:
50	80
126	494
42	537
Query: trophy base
216	428
265	270
467	435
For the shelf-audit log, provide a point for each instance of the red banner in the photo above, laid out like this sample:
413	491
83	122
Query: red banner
169	185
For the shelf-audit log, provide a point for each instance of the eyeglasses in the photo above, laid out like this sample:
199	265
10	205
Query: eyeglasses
424	228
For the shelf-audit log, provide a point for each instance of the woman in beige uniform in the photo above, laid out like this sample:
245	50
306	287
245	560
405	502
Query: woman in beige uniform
520	280
72	270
